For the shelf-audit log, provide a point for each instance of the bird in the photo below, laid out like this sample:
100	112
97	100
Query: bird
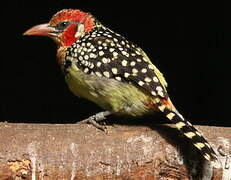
104	67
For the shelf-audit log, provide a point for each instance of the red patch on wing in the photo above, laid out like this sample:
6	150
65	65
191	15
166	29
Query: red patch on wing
167	103
151	105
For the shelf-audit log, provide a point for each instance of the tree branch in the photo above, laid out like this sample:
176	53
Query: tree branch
81	152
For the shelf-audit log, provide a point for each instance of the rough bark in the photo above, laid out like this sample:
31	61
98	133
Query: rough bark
81	152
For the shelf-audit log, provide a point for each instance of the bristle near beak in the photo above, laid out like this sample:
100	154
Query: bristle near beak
41	30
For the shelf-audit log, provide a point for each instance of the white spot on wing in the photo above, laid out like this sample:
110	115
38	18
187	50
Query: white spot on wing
139	60
162	107
98	74
80	58
101	53
118	78
98	64
115	54
86	57
147	79
161	93
141	83
133	63
114	70
144	70
106	74
104	60
126	74
153	93
134	71
159	88
92	55
124	62
85	70
111	49
116	40
155	79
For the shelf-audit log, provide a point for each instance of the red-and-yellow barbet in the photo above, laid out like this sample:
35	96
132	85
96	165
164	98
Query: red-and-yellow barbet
107	69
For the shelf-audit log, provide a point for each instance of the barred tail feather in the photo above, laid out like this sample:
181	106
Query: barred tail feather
188	130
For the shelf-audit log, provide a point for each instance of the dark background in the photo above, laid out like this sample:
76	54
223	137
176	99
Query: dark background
185	40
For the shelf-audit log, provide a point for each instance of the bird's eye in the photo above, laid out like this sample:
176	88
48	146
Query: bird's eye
62	25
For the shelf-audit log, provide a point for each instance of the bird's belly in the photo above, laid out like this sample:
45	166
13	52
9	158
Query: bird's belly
109	94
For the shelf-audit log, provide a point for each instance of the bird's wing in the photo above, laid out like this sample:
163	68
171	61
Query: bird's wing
112	56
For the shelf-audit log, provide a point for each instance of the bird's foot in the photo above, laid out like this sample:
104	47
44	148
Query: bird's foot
97	120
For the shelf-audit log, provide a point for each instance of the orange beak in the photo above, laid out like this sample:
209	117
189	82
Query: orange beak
41	30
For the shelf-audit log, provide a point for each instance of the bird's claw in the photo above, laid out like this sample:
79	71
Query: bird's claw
94	120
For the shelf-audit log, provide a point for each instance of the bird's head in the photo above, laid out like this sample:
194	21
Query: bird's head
65	27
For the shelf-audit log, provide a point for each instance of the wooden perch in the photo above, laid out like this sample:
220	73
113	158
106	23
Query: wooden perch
81	152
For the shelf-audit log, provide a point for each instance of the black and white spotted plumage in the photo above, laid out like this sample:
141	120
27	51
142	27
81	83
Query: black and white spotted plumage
105	53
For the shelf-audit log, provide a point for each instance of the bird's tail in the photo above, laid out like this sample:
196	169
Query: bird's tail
187	129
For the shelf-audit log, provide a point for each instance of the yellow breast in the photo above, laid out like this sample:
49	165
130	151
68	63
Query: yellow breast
108	93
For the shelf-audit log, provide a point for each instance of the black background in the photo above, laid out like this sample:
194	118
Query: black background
185	40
